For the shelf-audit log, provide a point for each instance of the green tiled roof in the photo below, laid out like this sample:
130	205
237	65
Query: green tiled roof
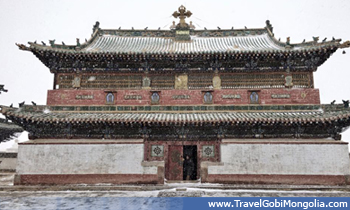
158	42
196	117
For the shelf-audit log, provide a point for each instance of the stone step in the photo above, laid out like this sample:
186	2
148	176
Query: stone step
3	174
6	178
182	181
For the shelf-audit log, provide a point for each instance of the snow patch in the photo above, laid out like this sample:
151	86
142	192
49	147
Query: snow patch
92	78
21	137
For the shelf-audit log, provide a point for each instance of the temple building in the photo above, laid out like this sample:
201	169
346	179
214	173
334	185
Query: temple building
128	105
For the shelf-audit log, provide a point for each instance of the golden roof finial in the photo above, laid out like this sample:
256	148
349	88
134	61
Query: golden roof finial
182	14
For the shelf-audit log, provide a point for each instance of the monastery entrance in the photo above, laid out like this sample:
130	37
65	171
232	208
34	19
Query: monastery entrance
182	162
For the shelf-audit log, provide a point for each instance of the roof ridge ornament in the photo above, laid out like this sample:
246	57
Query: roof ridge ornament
269	26
2	89
96	27
182	13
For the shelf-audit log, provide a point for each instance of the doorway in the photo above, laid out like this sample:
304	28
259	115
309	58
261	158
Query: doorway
191	152
175	169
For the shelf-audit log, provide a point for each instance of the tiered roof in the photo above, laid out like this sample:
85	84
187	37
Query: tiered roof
183	49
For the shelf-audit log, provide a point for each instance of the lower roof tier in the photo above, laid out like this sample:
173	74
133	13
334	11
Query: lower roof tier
326	121
8	129
320	115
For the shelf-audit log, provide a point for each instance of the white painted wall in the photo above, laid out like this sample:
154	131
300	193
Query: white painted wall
8	163
307	159
82	159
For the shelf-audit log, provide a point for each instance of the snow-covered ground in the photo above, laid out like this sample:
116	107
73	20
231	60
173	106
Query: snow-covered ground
158	199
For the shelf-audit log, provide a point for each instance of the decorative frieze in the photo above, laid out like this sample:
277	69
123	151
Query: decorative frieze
201	81
231	96
180	97
157	151
272	80
132	97
280	96
84	97
208	151
188	108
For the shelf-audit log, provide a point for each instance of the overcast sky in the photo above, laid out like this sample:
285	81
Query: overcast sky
27	79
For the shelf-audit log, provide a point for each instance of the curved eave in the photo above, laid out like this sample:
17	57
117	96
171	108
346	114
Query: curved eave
308	44
330	46
286	118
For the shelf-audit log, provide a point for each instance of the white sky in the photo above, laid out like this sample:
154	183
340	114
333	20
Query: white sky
27	79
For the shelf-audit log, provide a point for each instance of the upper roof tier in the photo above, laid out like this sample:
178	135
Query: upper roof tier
180	41
238	48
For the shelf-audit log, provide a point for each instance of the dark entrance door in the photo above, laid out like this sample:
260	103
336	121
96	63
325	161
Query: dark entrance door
175	161
191	152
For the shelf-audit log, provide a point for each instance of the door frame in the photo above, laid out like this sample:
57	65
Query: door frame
176	143
199	143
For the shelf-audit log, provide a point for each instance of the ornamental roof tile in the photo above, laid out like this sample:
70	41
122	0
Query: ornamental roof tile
124	44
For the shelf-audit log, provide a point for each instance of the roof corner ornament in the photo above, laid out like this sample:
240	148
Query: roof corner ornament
316	38
345	45
22	47
182	13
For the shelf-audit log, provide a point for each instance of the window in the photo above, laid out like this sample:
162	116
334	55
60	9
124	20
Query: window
254	97
155	98
109	98
208	97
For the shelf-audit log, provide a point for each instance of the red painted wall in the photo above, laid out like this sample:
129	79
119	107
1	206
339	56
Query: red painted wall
97	97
